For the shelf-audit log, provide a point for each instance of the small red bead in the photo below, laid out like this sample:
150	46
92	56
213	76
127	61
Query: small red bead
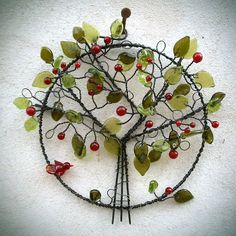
149	60
168	96
148	78
63	65
149	124
61	136
77	65
48	80
55	71
178	123
192	124
99	87
197	57
118	67
94	146
168	190
91	92
107	40
95	49
173	154
30	111
187	130
121	110
139	66
215	124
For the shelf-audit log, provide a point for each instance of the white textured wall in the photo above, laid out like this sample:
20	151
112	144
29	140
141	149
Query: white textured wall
32	202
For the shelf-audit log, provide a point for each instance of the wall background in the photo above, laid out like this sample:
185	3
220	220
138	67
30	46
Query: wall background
32	203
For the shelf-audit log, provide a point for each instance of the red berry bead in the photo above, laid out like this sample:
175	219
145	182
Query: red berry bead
30	111
178	123
121	110
215	124
95	49
148	78
168	96
192	124
94	146
168	190
118	67
173	154
67	165
77	65
107	40
63	65
48	80
99	87
197	57
60	170
61	136
149	60
187	130
91	92
139	66
55	71
149	124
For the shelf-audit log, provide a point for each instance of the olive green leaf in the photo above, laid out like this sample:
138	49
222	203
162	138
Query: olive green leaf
46	55
68	81
205	79
91	34
192	49
31	124
78	34
74	117
148	100
154	155
116	29
57	111
112	145
112	125
181	47
57	62
215	102
146	112
182	89
152	186
39	79
21	103
161	145
142	168
174	139
173	75
141	151
70	49
95	195
207	135
78	145
178	102
126	60
217	97
114	96
183	195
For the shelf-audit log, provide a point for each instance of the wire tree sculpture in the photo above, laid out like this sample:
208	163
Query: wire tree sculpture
106	67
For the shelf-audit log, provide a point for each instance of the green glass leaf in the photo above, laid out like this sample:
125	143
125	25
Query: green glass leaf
207	135
68	81
112	125
114	96
116	29
95	195
154	155
148	100
192	49
112	145
78	34
173	75
181	47
178	102
190	134
205	79
21	103
91	34
57	62
146	112
152	186
39	79
161	145
174	139
126	60
213	107
46	55
144	55
57	111
217	97
70	49
93	82
142	79
74	117
141	151
142	168
182	89
96	73
83	153
31	124
78	145
183	195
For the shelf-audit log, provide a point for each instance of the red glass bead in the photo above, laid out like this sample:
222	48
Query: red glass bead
197	57
30	111
94	146
192	124
47	80
107	40
67	165
91	92
99	87
215	124
168	190
149	124
173	154
60	170
63	65
118	67
139	66
168	96
95	49
178	123
187	130
121	110
77	65
51	169
61	136
149	60
55	71
148	78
